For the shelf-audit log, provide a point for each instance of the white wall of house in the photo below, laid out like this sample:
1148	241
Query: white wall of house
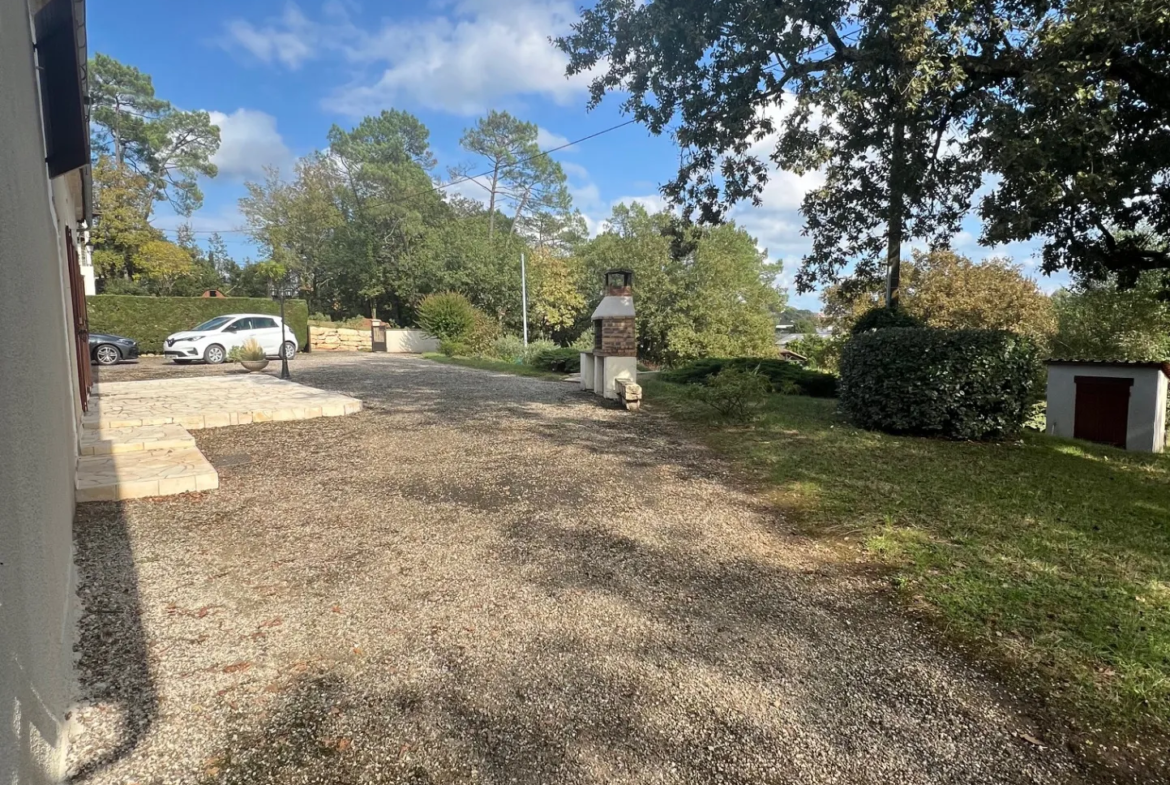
1146	423
38	419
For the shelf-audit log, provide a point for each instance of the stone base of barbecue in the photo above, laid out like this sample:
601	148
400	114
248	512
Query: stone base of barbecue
600	373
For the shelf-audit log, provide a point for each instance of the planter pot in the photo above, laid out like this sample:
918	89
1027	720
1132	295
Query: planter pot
254	365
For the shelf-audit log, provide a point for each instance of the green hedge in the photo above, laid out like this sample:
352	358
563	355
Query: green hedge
558	360
149	320
780	374
959	384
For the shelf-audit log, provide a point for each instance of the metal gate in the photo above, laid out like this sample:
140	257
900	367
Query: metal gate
80	321
377	337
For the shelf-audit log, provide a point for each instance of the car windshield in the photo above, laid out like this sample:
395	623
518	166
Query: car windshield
212	324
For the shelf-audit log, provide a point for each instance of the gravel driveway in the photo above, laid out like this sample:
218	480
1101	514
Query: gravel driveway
486	578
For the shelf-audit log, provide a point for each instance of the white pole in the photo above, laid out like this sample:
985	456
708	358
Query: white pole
524	297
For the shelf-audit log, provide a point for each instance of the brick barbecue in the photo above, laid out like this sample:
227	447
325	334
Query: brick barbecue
611	369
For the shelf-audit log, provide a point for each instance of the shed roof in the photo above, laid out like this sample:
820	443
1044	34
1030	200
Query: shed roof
1164	367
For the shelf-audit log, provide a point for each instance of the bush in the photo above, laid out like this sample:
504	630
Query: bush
882	318
779	373
558	360
454	348
449	316
960	384
484	332
536	348
149	320
509	348
734	393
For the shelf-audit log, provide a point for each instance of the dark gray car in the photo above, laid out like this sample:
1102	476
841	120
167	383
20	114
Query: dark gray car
105	349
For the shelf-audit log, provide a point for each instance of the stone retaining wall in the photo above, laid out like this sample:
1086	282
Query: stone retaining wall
338	339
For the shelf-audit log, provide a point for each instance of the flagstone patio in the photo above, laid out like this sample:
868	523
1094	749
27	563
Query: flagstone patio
135	439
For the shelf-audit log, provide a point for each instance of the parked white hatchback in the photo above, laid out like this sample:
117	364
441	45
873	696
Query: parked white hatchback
214	339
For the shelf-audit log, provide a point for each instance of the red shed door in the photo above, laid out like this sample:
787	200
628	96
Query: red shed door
1102	413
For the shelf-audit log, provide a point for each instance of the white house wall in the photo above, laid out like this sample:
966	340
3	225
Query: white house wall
37	437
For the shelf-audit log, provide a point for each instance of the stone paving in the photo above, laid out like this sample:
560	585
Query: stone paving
135	440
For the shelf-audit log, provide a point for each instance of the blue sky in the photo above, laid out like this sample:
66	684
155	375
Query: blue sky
276	75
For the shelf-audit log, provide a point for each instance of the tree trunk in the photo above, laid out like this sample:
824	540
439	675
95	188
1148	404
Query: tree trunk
896	218
492	200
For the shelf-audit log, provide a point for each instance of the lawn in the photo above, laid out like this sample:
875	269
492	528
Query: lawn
495	365
1050	556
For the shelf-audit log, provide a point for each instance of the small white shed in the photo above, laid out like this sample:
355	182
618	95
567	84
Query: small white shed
1118	403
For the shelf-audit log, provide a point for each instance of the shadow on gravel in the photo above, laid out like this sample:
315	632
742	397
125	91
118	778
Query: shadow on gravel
112	660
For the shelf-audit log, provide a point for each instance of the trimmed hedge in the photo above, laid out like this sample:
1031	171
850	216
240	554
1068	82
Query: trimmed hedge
557	360
780	373
149	320
883	318
959	384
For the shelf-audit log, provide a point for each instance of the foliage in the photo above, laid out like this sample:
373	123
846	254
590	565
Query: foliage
508	347
252	350
162	263
321	320
533	184
698	291
802	320
484	332
449	316
149	320
1099	321
499	366
901	108
778	373
454	348
555	304
884	318
959	384
536	347
947	290
1005	544
560	360
170	148
234	355
823	353
735	394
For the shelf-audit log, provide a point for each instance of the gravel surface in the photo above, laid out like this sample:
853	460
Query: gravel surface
486	578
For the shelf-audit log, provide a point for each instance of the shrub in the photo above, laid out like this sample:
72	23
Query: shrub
734	393
960	384
484	332
509	348
777	372
449	316
149	320
559	360
233	355
536	348
454	348
883	318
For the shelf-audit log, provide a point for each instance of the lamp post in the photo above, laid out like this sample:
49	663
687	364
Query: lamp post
283	353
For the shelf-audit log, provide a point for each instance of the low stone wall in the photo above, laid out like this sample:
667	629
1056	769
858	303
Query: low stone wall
338	339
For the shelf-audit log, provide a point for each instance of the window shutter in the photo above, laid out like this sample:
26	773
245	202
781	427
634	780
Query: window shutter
62	98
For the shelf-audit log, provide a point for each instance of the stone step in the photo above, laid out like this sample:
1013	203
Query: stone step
133	475
168	436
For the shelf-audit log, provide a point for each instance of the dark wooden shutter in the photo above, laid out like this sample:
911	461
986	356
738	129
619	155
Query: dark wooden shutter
1102	409
62	98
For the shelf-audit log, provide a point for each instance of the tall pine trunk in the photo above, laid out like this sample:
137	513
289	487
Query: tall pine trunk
896	216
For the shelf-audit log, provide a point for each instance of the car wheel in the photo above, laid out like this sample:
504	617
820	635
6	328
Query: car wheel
107	354
214	354
289	350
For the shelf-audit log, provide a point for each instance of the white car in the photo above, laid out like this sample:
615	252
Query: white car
212	340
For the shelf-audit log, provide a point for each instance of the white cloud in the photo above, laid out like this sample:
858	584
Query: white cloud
290	39
463	62
249	141
547	140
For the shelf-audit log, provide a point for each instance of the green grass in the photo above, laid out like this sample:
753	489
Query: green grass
494	365
1051	556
